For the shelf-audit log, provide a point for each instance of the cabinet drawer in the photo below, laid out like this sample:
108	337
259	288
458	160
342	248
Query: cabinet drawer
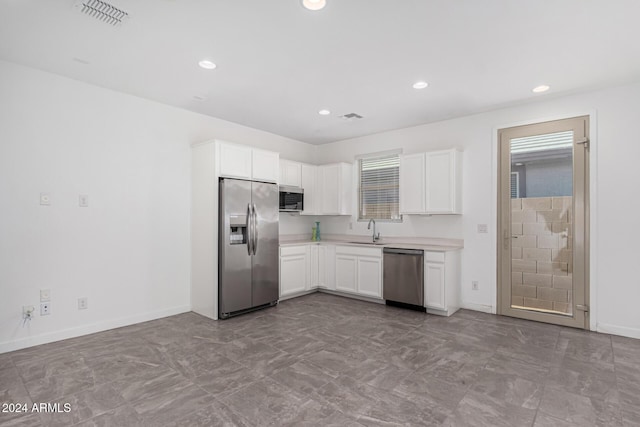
293	250
434	256
359	251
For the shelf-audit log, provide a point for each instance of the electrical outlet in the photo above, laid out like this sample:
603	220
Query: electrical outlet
45	309
350	226
475	285
483	228
27	311
45	295
83	201
83	303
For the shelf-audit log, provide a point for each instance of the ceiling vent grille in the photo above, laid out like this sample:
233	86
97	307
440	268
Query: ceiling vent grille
351	116
102	11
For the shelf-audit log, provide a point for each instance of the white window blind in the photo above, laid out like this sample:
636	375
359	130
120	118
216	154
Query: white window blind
549	141
379	188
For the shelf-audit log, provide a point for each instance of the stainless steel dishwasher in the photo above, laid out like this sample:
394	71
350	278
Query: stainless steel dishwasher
403	278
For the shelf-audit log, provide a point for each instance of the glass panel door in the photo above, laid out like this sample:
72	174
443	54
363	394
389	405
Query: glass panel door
543	183
541	222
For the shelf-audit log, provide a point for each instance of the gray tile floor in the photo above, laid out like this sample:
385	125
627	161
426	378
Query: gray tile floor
322	360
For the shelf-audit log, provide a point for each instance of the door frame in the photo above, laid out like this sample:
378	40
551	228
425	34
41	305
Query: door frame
592	163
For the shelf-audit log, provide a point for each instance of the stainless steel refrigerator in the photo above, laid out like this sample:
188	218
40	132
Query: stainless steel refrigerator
248	255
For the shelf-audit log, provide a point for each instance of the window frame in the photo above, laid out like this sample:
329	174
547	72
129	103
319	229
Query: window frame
373	156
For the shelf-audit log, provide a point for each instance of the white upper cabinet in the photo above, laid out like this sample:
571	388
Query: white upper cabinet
431	183
290	173
444	182
308	183
265	166
234	161
327	188
241	161
412	184
334	184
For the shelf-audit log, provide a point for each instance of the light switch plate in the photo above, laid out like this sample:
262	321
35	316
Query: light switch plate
483	228
45	199
45	295
83	201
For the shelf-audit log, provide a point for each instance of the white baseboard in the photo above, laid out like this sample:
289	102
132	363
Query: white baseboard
89	329
352	296
624	331
478	307
297	294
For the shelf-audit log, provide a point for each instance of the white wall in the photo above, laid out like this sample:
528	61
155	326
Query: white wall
128	252
615	150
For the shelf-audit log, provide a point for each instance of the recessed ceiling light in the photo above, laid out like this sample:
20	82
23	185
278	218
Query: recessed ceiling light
324	112
540	89
420	85
314	4
207	65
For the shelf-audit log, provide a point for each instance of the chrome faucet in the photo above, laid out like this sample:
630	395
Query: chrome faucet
375	237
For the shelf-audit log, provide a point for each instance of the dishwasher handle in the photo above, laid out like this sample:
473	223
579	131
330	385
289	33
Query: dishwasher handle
401	251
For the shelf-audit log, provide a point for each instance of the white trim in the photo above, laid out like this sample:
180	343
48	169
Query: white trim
397	151
593	192
623	331
478	307
89	329
352	296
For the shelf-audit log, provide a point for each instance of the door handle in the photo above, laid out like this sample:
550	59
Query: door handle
249	233
255	230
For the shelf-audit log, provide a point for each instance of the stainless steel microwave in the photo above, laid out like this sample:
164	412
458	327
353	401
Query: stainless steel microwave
291	199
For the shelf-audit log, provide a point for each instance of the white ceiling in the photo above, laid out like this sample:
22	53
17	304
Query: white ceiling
278	63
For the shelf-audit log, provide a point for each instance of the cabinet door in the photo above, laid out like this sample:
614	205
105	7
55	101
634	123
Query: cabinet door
370	277
440	181
412	184
234	161
434	285
330	189
293	274
346	273
330	268
308	184
322	265
290	173
314	267
265	166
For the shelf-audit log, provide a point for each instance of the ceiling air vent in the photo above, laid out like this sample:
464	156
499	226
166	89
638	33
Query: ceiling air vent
351	116
102	11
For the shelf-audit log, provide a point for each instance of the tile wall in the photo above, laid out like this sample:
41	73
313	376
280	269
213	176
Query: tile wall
541	253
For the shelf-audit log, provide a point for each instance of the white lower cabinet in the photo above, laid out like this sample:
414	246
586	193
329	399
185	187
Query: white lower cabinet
359	270
349	269
442	282
327	266
346	272
294	270
314	270
370	277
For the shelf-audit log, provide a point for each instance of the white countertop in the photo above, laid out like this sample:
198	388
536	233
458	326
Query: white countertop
423	243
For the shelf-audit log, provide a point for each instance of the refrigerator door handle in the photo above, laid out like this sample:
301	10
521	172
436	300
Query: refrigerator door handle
249	232
255	230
